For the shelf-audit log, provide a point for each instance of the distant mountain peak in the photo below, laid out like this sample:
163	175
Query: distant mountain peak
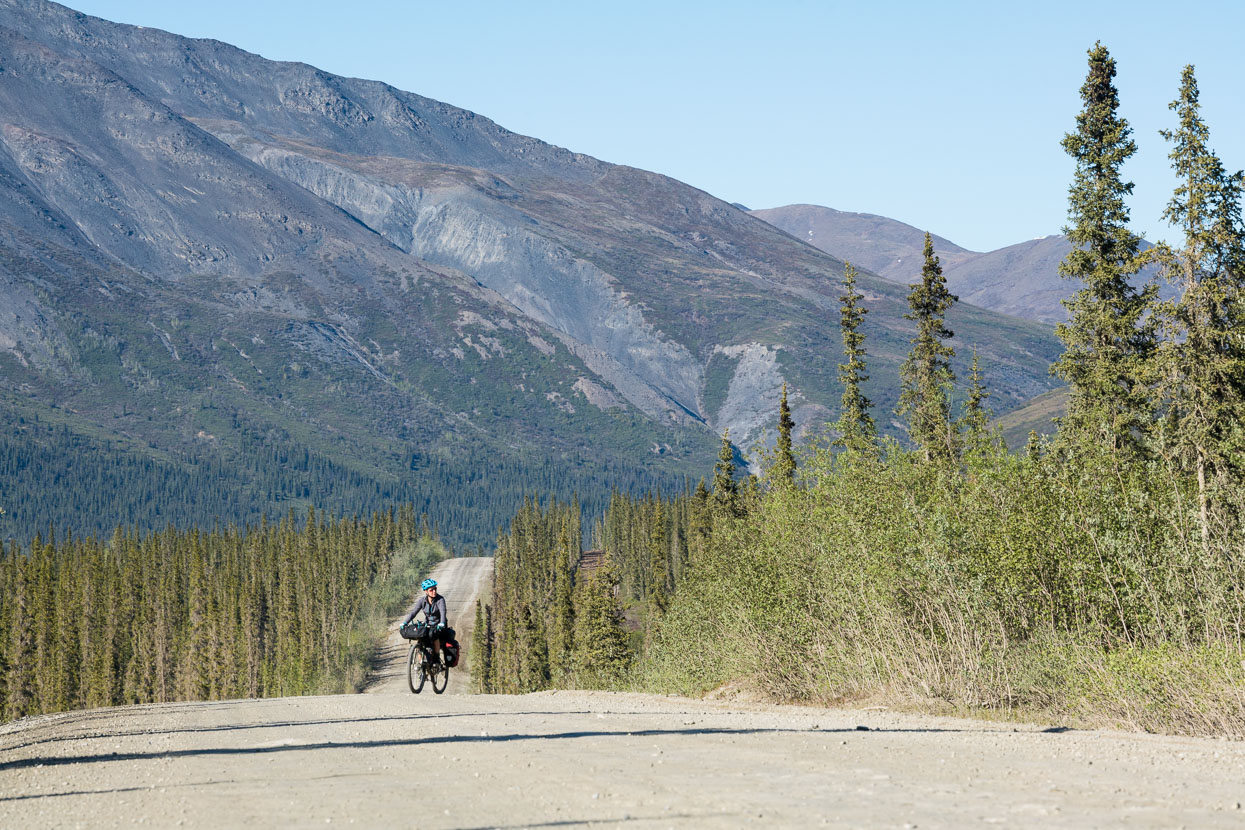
1021	279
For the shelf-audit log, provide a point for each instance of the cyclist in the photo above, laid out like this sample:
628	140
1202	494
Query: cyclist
435	615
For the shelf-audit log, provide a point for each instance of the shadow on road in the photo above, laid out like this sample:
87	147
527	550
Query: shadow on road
189	785
142	733
429	741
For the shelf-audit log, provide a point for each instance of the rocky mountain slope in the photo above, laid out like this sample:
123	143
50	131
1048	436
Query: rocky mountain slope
1022	279
202	250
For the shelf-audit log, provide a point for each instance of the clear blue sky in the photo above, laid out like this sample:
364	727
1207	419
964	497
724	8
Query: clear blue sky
945	115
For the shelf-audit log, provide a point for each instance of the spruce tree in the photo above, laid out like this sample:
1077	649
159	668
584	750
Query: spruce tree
855	427
698	523
784	461
8	558
976	418
601	653
43	614
533	652
20	658
1109	338
659	573
926	374
561	636
725	490
482	651
1202	376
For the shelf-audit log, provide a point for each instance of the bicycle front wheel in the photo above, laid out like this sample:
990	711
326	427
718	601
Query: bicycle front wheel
416	671
440	677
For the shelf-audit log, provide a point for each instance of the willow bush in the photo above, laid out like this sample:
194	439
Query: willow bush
1012	584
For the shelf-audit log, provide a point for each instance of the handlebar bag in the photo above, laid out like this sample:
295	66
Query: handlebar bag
412	630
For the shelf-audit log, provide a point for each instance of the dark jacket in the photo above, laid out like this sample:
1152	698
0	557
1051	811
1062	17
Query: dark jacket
434	612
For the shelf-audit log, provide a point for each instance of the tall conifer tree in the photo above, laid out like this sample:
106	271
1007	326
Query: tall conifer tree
20	682
601	652
784	461
482	650
1109	338
725	490
855	426
1202	376
561	637
533	652
926	374
976	419
659	572
699	522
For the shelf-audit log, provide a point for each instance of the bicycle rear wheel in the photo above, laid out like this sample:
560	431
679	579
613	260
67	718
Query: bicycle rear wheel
416	669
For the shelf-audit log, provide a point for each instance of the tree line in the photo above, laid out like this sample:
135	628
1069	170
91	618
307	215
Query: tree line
547	621
271	609
54	478
1098	576
559	616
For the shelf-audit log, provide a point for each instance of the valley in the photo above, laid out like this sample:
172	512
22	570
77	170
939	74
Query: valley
791	516
203	252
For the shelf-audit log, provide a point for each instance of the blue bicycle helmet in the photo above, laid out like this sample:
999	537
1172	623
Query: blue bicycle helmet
427	583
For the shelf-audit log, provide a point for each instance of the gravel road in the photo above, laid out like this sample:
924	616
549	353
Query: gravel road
554	759
462	581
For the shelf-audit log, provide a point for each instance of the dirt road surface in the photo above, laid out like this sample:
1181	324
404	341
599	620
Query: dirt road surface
568	759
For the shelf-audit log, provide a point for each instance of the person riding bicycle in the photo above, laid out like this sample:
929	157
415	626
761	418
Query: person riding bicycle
435	616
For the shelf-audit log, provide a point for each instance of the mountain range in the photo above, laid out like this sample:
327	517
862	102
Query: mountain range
207	257
1021	279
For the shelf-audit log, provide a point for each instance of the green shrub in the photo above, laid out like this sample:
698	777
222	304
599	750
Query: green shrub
1014	585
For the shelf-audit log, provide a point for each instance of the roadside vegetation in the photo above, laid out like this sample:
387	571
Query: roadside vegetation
1096	578
282	609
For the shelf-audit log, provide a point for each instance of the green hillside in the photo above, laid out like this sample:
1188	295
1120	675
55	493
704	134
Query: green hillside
1038	415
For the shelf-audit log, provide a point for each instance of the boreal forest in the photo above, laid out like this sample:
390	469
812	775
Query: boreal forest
1096	575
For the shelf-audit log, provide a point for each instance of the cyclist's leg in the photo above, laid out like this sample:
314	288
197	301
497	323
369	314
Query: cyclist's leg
429	644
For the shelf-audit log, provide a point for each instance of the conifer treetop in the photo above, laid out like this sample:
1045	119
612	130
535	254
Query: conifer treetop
1109	337
855	427
926	374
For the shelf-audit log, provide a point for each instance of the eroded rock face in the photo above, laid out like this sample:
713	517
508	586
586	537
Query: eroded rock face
377	235
455	226
26	333
752	397
638	393
750	410
549	284
597	395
